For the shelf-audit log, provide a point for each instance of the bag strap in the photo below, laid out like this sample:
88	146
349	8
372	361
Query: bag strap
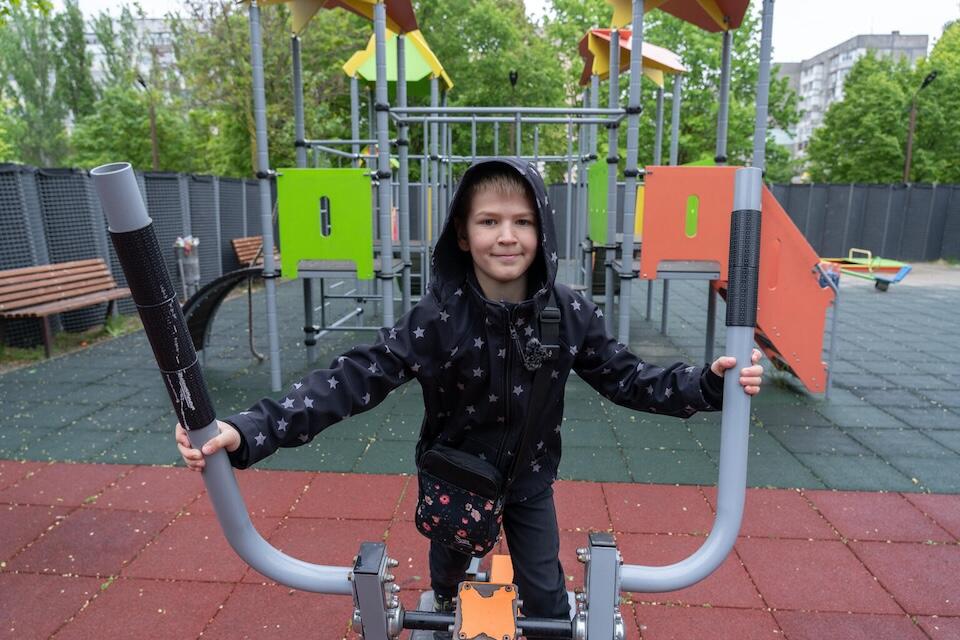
550	339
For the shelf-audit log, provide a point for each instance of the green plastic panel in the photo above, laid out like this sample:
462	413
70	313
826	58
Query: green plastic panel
418	71
325	214
693	216
597	202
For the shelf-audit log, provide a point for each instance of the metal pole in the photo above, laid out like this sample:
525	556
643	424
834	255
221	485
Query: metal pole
735	423
496	138
383	162
613	160
442	174
434	157
568	226
658	136
536	144
631	171
263	178
518	148
763	88
404	201
426	219
301	158
675	119
723	112
473	140
355	118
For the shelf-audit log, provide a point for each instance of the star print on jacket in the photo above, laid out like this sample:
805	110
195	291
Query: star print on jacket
458	340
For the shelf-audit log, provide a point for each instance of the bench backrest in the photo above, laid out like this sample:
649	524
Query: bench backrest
248	248
51	282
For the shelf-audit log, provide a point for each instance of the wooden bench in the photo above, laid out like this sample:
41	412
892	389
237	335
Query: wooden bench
46	290
249	249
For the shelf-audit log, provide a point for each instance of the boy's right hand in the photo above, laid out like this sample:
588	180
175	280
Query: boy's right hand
228	438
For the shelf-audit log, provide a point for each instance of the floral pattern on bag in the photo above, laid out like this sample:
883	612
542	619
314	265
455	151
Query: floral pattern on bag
456	518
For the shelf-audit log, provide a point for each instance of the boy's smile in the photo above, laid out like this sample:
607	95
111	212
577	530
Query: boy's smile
501	235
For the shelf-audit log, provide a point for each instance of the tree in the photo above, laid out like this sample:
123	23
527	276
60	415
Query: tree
936	144
862	136
122	48
74	82
7	6
28	62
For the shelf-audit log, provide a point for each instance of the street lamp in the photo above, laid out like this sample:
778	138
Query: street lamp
154	150
913	122
513	76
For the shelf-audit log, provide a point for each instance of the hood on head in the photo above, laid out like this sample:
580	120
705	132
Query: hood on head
450	265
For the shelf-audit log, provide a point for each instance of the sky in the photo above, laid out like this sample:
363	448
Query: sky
801	28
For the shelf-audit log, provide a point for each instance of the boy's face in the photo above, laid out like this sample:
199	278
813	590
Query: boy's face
501	235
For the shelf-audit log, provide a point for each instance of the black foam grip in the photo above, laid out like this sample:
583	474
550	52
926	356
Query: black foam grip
163	323
743	268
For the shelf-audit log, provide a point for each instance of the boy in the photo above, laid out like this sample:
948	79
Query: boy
493	270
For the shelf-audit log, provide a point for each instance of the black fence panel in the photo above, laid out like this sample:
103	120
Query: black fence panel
165	201
232	221
950	245
205	225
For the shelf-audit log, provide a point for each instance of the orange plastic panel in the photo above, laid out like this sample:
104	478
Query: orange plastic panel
486	611
791	308
501	569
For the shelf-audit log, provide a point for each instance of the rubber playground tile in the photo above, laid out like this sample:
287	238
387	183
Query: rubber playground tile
674	467
407	506
102	394
599	465
351	496
62	446
154	397
585	408
265	492
146	610
166	489
946	397
922	577
281	613
405	428
926	383
775	513
794	416
410	548
728	586
940	627
320	455
942	509
949	439
323	541
648	434
644	508
59	596
31	522
13	471
194	547
387	456
779	470
811	625
900	442
659	622
932	417
819	575
91	542
933	474
817	440
865	473
122	419
859	416
50	415
876	516
573	569
65	485
587	433
580	505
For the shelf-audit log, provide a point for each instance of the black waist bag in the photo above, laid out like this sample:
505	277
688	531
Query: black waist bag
461	496
460	501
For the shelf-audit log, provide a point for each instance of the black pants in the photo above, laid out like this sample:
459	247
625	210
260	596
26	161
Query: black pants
533	539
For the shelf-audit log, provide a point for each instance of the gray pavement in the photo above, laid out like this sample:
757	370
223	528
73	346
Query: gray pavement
892	421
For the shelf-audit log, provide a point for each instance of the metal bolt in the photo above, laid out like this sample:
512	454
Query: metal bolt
391	562
395	588
388	577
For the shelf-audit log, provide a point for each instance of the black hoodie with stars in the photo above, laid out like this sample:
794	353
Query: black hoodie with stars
457	344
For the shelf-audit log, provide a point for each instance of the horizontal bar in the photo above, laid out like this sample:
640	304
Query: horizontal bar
513	110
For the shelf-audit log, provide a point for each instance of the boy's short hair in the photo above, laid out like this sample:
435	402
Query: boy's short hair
498	178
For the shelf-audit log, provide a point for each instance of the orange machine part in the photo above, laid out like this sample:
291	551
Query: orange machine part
791	307
501	569
486	611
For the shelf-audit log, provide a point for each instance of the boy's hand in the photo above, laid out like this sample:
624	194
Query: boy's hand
228	438
750	377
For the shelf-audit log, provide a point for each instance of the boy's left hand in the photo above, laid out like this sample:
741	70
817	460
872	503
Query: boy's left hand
750	377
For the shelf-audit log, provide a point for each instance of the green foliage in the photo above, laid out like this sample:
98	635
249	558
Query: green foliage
122	48
28	63
74	82
864	136
119	129
8	6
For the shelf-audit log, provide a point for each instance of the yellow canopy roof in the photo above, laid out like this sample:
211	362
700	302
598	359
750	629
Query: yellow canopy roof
415	38
595	51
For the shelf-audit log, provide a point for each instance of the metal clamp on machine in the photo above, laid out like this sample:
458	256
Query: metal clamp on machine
486	611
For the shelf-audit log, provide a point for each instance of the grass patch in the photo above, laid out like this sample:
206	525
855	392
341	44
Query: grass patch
67	342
